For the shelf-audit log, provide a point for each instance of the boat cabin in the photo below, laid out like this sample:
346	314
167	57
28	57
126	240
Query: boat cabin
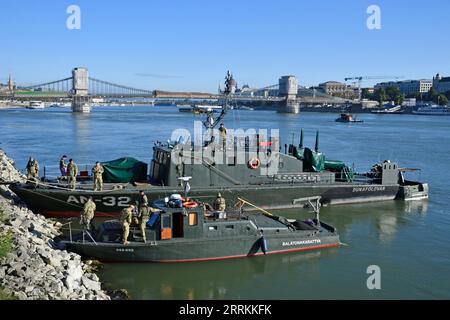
175	221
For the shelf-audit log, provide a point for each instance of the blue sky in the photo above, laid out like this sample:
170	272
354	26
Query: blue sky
196	42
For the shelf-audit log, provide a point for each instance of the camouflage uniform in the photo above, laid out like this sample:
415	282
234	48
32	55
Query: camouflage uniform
126	221
223	136
98	179
144	216
32	169
72	171
219	204
62	167
88	213
143	202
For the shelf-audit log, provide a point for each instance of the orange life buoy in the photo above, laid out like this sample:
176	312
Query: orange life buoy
190	204
254	163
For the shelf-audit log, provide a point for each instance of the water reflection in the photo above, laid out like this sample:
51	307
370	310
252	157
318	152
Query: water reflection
203	280
417	207
82	128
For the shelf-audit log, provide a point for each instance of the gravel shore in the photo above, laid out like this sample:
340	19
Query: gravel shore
34	269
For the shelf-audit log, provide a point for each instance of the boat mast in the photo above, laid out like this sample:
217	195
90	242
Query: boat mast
230	87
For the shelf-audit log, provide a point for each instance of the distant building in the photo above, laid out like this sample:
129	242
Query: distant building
340	89
9	87
411	102
10	83
440	84
333	87
409	86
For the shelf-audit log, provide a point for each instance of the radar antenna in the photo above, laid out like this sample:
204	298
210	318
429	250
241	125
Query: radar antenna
230	87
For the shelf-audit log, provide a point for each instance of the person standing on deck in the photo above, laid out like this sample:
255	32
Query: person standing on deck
63	166
32	170
72	171
219	205
98	178
223	135
143	201
88	213
144	216
125	218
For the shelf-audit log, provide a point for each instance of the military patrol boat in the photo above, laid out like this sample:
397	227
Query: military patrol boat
253	166
182	233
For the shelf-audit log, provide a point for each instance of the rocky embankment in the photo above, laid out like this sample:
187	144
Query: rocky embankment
33	269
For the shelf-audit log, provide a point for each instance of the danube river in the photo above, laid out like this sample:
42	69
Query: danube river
409	241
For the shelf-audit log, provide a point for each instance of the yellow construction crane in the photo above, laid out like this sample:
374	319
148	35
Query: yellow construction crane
361	78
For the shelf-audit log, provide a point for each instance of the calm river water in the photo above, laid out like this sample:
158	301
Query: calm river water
409	241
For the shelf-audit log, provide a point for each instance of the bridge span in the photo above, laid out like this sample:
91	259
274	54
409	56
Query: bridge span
81	88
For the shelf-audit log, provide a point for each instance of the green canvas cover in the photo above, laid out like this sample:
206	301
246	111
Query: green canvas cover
338	166
314	161
124	170
335	165
299	153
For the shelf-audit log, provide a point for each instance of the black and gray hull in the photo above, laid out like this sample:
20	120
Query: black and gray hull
201	250
65	203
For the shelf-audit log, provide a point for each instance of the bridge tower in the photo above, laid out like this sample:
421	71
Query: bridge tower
80	90
288	88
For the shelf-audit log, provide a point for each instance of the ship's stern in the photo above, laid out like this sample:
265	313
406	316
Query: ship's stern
412	190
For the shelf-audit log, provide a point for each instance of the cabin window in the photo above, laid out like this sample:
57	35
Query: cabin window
212	228
229	227
166	222
192	218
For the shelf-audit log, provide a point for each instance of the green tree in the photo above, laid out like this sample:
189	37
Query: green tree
447	94
365	94
441	100
380	96
432	94
399	99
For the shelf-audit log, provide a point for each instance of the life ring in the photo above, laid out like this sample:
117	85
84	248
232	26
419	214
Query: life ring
190	204
254	163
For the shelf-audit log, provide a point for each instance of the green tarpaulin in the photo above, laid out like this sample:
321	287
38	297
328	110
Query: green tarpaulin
334	165
346	173
314	161
124	170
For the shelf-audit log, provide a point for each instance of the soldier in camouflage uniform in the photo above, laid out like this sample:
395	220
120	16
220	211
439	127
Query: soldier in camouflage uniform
88	213
143	200
223	135
144	215
72	171
125	218
219	205
32	169
98	178
63	166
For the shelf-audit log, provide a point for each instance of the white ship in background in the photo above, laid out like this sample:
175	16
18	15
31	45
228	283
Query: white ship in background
36	105
433	110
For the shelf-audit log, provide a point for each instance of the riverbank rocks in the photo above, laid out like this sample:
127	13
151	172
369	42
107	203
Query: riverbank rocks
35	269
